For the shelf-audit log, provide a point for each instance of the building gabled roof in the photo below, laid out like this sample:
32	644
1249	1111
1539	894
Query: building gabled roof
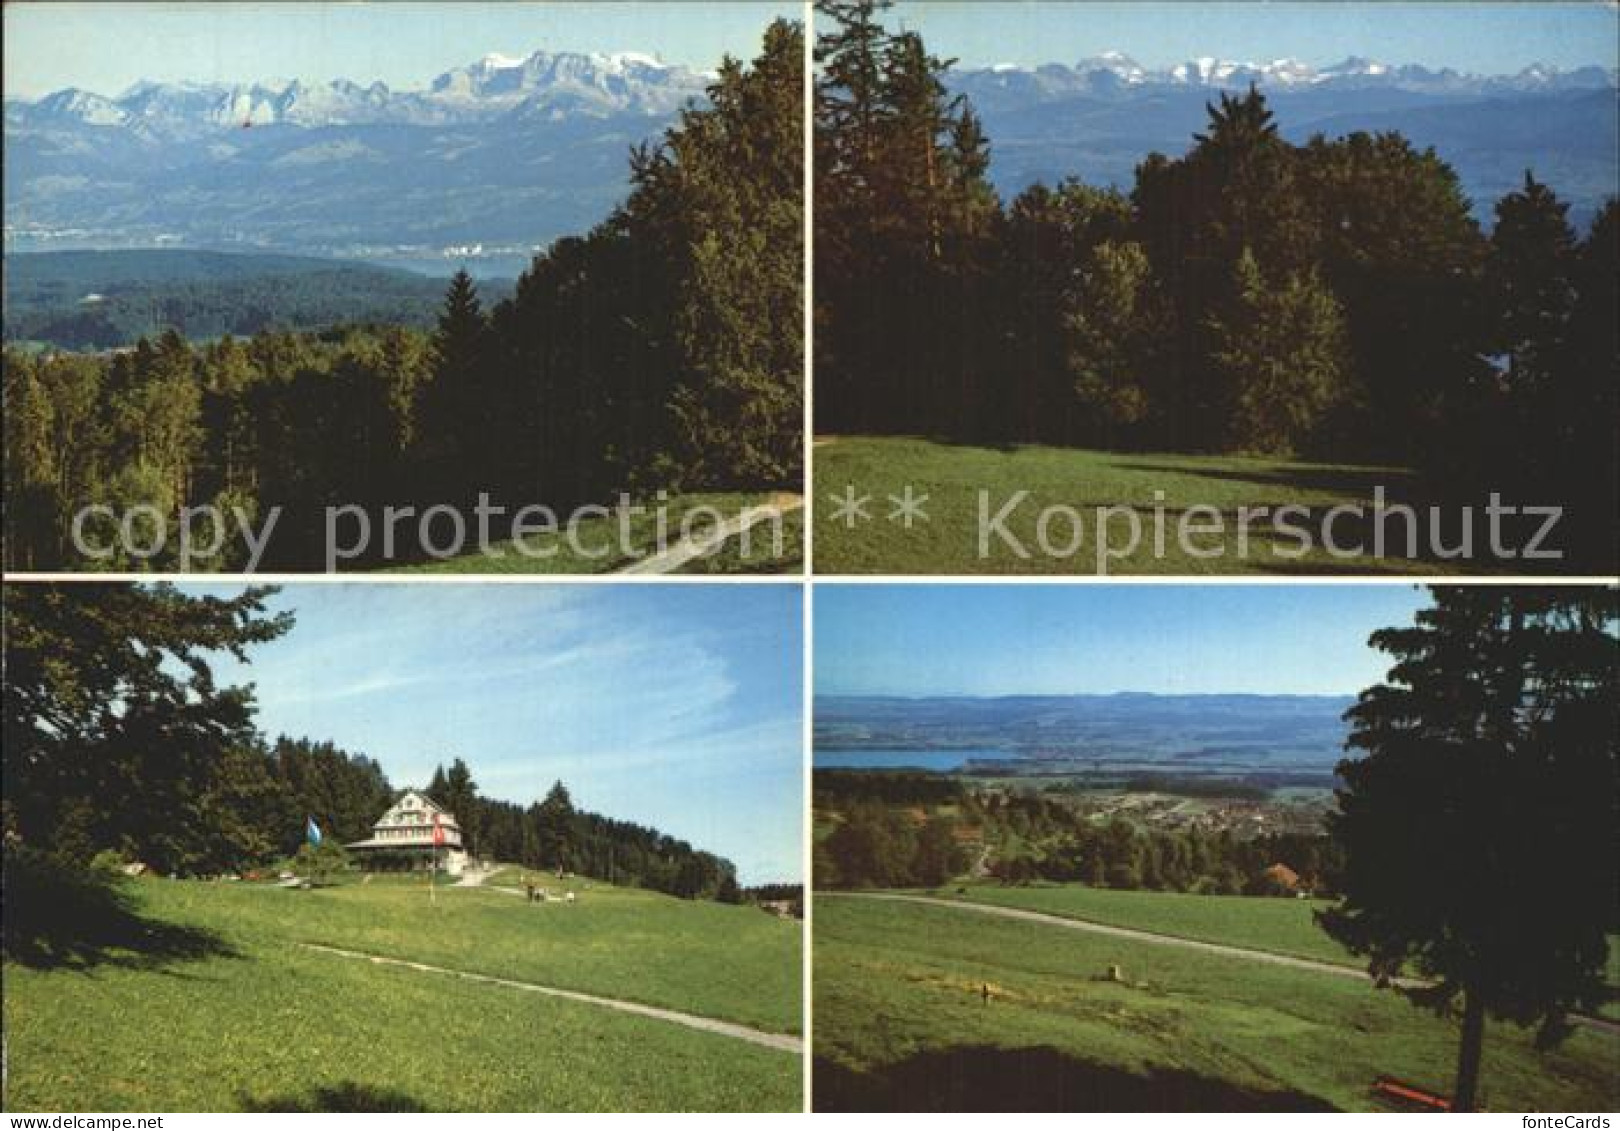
421	795
414	808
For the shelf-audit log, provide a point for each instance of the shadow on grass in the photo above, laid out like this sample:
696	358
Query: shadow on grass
61	917
347	1096
987	1078
1356	482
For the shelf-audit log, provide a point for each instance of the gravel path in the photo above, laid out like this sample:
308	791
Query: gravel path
684	551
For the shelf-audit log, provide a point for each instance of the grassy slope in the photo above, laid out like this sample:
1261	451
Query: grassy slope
898	1008
952	477
1279	926
601	537
758	555
273	1023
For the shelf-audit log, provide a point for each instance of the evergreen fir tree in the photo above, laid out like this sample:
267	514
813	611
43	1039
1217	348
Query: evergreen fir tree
1477	830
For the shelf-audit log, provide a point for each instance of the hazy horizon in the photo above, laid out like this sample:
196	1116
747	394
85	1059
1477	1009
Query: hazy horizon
106	48
977	641
1478	38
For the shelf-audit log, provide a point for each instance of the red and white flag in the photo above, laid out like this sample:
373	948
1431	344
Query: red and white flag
438	832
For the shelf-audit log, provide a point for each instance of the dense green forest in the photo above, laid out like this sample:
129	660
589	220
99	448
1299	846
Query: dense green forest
662	351
907	829
1333	299
119	741
97	300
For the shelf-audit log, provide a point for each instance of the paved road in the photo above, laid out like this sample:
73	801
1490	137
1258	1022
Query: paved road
1168	940
674	557
781	1041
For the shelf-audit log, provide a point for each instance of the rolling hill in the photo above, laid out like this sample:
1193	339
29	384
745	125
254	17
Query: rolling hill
106	299
929	1008
263	1005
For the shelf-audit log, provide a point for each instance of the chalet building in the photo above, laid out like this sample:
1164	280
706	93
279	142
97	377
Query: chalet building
410	835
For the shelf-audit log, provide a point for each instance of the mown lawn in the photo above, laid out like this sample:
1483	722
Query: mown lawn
901	1021
253	1021
1158	489
600	544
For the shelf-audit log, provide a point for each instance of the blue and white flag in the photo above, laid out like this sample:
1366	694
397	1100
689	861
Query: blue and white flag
312	832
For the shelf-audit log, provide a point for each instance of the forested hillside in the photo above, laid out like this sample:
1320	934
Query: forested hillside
662	351
1334	298
109	695
93	300
898	829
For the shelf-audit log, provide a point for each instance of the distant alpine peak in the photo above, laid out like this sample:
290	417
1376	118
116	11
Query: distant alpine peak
495	61
1357	65
551	84
1116	63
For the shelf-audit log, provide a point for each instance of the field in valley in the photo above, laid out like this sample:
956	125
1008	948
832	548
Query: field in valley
924	1007
217	1004
952	476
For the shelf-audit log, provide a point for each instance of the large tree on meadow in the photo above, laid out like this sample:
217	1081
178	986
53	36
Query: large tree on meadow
1478	825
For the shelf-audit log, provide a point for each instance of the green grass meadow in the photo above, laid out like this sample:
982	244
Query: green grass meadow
599	545
902	1020
952	476
1277	926
253	1021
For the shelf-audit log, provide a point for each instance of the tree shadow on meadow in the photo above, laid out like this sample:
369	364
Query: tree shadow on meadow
347	1096
1357	482
61	917
987	1078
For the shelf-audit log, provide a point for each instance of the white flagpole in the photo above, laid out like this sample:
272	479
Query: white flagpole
433	872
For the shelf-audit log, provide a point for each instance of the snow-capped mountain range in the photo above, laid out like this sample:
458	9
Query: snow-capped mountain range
513	151
555	85
544	84
1099	117
1114	69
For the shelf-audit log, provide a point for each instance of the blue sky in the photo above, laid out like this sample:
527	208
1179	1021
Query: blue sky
1099	639
1492	38
106	47
673	705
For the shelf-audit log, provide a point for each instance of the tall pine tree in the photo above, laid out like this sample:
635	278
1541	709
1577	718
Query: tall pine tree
1477	829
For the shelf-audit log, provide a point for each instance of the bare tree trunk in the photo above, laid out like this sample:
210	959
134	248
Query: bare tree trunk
1468	1053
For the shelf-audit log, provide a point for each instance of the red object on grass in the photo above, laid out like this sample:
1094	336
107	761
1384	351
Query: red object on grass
1388	1086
